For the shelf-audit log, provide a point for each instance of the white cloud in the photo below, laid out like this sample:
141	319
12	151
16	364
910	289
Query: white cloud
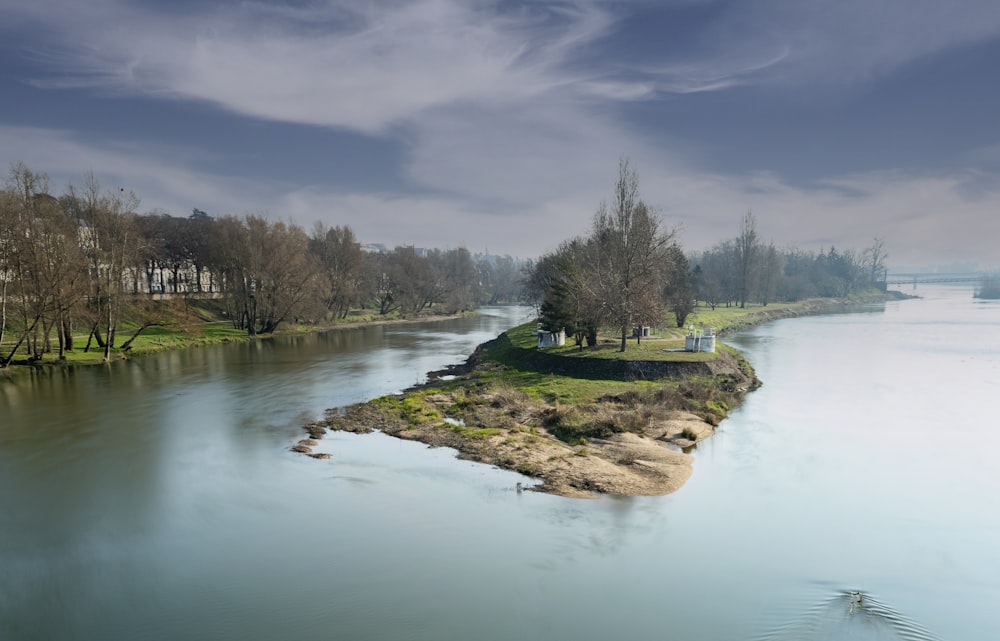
362	66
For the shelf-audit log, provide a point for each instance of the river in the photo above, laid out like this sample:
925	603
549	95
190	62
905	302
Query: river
157	499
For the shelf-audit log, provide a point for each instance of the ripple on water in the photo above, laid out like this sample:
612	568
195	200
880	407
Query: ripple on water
849	615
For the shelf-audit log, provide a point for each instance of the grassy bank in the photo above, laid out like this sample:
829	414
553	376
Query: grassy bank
179	324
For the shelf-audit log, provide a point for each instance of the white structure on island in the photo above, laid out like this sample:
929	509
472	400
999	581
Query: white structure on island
551	339
699	341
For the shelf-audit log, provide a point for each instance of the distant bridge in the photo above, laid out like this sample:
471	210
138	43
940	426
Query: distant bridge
933	277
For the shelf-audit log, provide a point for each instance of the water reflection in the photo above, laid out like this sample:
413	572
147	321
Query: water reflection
157	500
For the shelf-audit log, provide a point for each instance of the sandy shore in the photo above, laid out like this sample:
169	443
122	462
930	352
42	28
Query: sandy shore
627	463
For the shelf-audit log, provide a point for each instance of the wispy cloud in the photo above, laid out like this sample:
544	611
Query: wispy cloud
509	133
358	65
369	66
823	43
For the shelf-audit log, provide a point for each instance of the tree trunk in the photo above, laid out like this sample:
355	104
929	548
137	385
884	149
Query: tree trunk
127	345
67	332
61	336
108	342
24	335
3	310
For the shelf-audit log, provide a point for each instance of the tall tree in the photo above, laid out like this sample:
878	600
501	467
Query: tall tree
747	257
679	287
770	274
631	257
874	258
340	253
379	286
43	269
268	272
570	299
113	245
458	277
8	244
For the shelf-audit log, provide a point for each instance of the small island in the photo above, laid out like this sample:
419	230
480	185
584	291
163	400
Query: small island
581	423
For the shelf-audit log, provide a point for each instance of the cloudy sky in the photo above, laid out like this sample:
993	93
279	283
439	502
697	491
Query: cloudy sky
499	125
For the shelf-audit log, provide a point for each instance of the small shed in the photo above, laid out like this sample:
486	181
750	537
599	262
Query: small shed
700	341
551	339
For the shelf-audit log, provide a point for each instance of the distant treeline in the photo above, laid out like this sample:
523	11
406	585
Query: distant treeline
631	271
87	259
745	269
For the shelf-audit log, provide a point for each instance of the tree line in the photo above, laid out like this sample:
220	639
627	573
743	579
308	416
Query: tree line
746	269
630	270
87	259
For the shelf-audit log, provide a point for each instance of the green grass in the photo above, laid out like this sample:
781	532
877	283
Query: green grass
724	318
413	408
555	388
473	432
152	339
188	323
650	349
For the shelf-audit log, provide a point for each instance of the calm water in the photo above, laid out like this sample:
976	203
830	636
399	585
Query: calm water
157	499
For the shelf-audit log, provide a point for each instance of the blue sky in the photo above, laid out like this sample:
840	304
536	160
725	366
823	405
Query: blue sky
499	125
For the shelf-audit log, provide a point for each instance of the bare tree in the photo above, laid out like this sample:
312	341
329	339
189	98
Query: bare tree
268	272
459	279
43	268
679	286
874	258
632	257
112	242
770	273
380	285
340	254
747	256
8	244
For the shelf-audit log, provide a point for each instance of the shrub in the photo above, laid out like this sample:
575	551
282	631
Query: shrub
528	469
669	397
631	398
571	425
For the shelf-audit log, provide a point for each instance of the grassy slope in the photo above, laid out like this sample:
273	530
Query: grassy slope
184	324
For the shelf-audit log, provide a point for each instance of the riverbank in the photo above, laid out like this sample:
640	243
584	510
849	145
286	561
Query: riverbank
579	421
577	436
186	326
